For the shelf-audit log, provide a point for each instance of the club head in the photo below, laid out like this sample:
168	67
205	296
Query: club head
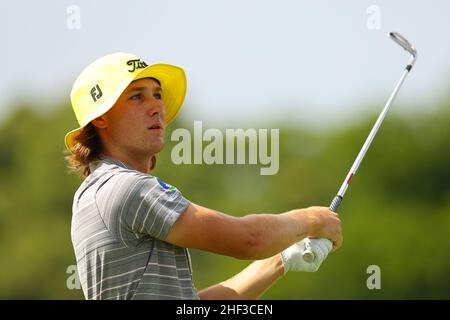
397	37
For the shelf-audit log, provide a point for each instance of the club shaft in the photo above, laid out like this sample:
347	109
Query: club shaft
308	253
369	139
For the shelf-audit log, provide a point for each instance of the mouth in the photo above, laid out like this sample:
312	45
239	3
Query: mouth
156	126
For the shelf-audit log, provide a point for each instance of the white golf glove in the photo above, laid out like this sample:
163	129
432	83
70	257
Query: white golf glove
292	257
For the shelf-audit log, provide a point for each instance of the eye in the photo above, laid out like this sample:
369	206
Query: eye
158	96
136	97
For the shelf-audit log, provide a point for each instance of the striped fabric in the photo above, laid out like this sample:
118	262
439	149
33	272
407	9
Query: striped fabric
120	220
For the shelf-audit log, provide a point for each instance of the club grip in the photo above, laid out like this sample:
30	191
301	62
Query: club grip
308	254
335	203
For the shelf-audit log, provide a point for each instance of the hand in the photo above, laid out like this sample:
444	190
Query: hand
292	257
324	223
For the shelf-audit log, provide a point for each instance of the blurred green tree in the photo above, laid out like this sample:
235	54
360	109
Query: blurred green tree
396	216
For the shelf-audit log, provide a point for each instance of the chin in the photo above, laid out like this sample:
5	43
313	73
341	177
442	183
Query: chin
157	146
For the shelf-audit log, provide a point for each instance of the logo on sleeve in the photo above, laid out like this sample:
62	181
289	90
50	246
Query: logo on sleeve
165	186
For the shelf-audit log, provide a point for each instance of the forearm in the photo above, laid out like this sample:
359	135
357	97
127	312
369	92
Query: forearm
273	233
249	284
254	236
251	237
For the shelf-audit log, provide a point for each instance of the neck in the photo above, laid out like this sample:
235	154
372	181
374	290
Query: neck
142	164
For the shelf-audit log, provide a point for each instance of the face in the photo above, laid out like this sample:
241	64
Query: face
135	124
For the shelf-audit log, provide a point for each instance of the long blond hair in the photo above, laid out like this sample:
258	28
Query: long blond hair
87	148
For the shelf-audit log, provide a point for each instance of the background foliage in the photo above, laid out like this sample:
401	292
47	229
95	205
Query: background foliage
396	214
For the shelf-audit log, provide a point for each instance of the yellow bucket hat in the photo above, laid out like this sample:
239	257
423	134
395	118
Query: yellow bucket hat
99	86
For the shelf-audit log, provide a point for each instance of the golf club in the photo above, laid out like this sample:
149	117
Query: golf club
308	254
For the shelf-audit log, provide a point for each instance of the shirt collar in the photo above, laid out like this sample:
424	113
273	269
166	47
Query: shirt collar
105	160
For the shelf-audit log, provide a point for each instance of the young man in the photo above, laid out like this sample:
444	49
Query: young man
130	230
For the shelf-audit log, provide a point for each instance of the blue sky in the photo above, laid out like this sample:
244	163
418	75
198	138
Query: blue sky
306	61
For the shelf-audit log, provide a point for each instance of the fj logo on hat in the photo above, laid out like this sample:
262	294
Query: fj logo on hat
137	64
96	93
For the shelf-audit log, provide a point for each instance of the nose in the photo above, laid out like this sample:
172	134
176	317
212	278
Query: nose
156	107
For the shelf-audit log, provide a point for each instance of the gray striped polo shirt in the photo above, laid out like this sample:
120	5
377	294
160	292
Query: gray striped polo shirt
120	220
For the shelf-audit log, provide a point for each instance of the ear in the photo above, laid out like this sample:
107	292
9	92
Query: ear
99	122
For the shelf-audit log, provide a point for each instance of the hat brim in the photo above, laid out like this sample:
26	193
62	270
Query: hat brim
173	83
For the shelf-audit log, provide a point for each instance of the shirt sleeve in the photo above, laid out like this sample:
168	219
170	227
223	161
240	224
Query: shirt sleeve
142	205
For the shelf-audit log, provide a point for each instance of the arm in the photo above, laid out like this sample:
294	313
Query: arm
250	283
255	236
259	276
